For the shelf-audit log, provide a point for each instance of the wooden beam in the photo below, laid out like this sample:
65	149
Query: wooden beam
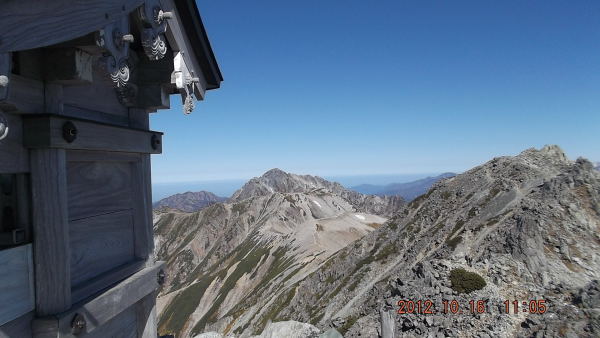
104	309
47	131
51	231
69	66
153	96
28	24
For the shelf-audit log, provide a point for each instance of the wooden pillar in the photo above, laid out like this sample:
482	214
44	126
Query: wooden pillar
144	244
144	247
51	231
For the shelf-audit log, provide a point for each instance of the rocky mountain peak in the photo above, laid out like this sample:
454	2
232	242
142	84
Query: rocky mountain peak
279	181
551	153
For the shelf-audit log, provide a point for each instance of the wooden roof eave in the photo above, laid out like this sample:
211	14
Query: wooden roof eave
29	24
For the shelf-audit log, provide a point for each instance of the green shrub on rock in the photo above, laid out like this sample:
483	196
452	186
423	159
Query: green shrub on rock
464	281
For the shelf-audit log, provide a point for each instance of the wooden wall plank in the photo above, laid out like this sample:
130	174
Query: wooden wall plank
96	188
99	244
93	115
144	245
101	282
90	136
51	231
27	24
14	157
99	156
20	327
16	283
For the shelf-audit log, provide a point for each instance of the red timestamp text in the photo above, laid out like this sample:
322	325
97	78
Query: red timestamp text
448	306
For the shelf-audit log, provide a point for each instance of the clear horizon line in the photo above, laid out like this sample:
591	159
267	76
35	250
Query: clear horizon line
323	176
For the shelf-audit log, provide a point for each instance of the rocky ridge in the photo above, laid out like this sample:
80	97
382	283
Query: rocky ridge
226	262
277	180
189	201
528	224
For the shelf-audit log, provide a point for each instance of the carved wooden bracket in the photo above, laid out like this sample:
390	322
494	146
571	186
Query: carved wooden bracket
184	81
115	40
153	22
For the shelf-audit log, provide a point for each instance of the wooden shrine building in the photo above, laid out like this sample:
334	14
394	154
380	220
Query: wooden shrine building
77	82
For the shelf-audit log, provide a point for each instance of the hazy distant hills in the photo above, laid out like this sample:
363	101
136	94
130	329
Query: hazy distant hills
189	201
408	190
597	166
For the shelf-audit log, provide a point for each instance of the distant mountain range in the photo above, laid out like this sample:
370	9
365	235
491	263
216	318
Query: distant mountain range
189	201
597	166
408	190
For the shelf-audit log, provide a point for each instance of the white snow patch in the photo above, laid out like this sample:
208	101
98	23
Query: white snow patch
360	217
317	203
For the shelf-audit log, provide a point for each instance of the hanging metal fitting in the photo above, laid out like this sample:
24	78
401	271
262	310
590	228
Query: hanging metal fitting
164	16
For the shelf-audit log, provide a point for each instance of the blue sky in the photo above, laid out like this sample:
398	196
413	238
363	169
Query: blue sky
387	87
